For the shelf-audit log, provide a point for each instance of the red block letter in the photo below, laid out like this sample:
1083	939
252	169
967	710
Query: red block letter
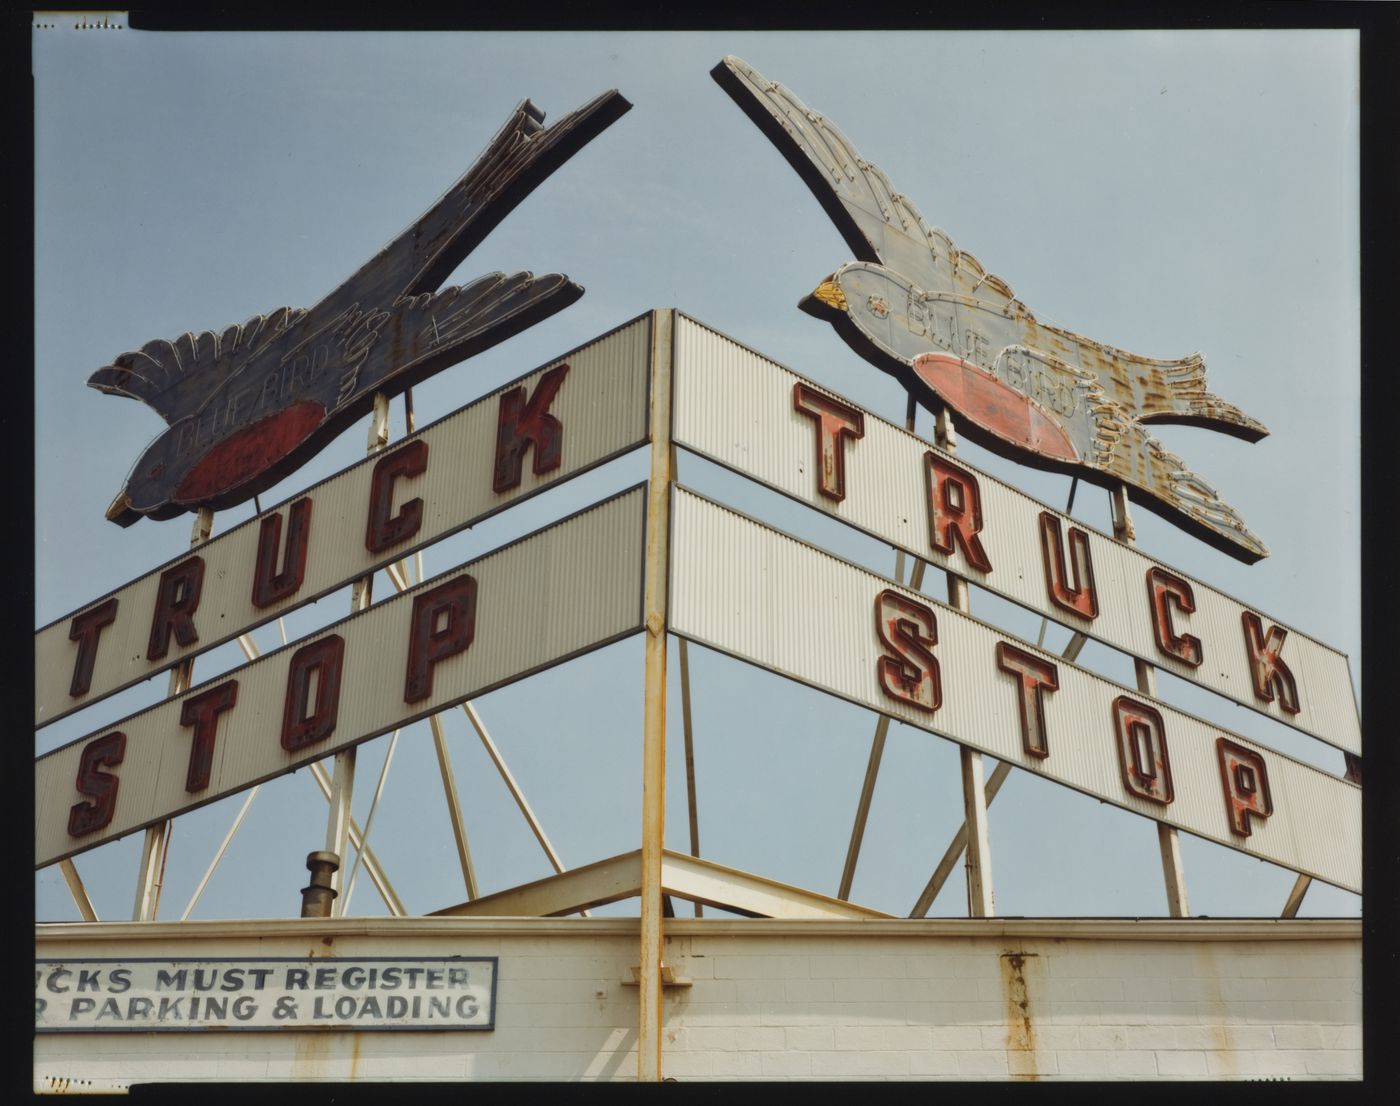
444	623
85	629
1246	783
1165	591
1142	750
954	511
176	602
100	787
202	712
522	424
909	631
269	585
381	531
1081	599
304	722
1271	676
1034	676
835	421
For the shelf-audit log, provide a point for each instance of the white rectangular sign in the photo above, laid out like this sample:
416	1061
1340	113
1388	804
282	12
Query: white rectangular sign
760	595
751	415
244	993
553	595
579	411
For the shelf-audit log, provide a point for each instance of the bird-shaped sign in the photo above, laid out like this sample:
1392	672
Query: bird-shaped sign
953	334
249	405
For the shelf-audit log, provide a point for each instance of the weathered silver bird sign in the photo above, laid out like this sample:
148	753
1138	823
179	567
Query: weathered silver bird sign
249	405
924	311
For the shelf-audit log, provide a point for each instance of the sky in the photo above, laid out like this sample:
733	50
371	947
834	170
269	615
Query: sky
1162	191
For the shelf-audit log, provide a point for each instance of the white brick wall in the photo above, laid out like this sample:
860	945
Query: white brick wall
1118	1003
1047	999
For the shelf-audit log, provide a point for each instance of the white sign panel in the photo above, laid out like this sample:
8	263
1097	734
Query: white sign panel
553	595
577	412
370	993
741	410
762	596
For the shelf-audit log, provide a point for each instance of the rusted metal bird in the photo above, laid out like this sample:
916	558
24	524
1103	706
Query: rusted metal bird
249	405
916	306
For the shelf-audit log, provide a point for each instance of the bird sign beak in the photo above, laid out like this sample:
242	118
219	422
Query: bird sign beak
120	506
829	292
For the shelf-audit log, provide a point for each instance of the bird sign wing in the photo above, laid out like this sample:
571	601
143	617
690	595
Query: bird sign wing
878	223
520	157
458	314
855	194
419	335
1142	462
174	377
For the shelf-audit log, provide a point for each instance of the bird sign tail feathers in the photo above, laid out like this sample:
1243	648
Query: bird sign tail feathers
1209	516
1187	401
167	375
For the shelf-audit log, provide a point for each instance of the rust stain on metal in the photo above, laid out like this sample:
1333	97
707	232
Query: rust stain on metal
1020	1024
1244	778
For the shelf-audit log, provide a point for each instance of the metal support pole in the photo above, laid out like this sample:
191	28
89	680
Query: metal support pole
373	868
369	818
959	842
323	781
979	867
223	848
148	872
1168	840
508	778
658	543
156	846
956	846
77	890
1295	897
867	790
454	807
979	855
338	825
343	786
691	805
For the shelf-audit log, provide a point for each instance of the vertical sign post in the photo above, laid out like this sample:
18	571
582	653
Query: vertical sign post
658	555
343	780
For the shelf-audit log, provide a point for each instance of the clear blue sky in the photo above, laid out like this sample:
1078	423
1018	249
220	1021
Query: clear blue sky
1162	191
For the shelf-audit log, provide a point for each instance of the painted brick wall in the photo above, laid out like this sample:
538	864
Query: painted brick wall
1016	1005
1044	999
562	1011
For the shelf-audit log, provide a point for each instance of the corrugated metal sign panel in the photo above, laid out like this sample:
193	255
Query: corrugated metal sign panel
752	592
600	407
548	597
736	407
